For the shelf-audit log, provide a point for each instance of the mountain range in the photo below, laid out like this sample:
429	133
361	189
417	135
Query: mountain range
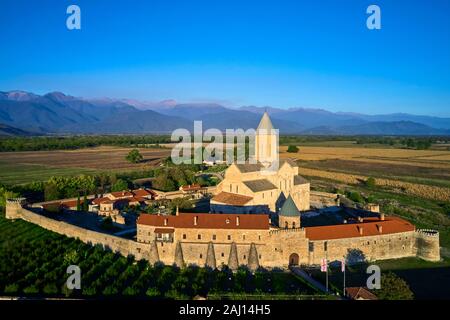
26	113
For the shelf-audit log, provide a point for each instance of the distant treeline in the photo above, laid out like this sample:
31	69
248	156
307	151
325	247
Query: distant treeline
412	143
77	142
400	141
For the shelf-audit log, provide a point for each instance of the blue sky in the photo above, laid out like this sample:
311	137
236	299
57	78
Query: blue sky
316	54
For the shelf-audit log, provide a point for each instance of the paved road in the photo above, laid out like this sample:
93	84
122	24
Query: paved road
301	273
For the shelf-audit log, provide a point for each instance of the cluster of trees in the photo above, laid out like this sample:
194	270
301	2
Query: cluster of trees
34	262
297	139
393	288
292	149
5	193
69	187
419	143
77	142
134	156
60	187
357	197
172	177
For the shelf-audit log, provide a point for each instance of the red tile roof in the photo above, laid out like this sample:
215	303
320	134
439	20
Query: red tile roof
207	221
231	199
360	293
109	201
191	187
70	203
136	199
121	194
370	227
100	200
51	204
143	193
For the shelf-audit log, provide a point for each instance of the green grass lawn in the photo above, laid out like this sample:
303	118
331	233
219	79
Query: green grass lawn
411	263
11	174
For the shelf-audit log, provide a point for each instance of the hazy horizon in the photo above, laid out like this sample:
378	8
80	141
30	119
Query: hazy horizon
288	54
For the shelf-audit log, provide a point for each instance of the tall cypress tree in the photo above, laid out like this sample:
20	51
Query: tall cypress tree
78	203
85	203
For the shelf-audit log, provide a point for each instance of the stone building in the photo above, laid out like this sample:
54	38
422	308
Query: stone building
272	236
248	188
255	240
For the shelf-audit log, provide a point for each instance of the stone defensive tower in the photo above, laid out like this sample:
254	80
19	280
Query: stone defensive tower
427	244
14	208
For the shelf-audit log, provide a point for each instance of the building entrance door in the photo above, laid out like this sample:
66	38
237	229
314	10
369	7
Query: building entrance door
293	259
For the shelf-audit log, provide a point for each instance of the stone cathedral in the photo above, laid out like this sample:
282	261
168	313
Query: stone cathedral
255	221
248	188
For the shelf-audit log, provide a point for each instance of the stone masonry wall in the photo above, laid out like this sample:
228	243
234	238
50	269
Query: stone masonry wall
116	244
267	248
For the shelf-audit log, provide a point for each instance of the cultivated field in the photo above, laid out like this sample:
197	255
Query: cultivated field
21	167
423	173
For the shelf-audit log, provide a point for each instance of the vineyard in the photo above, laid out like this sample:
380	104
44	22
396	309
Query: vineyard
33	262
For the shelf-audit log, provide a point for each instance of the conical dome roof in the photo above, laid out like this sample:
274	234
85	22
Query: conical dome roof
265	123
289	209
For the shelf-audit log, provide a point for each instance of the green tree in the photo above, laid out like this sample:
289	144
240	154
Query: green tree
355	197
119	185
12	288
371	182
78	203
134	156
5	194
51	192
85	203
164	182
292	149
50	289
153	292
393	288
107	223
182	203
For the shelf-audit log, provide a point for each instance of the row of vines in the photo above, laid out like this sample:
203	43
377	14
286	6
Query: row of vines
34	261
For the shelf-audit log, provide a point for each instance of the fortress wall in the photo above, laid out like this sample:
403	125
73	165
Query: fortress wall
389	246
195	249
325	198
282	244
195	253
274	248
116	244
